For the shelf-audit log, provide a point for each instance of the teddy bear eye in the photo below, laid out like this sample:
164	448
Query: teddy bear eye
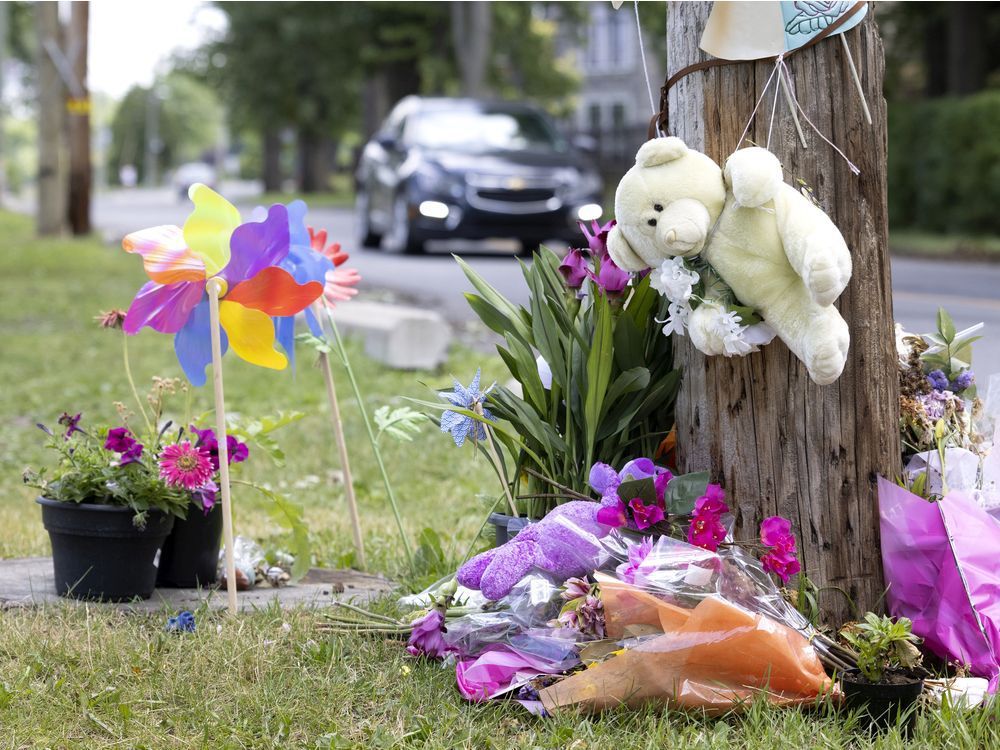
657	207
652	222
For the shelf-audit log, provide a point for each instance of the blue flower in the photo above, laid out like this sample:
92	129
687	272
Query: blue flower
183	623
938	380
460	425
963	381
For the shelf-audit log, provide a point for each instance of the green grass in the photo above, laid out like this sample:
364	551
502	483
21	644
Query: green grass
926	245
87	677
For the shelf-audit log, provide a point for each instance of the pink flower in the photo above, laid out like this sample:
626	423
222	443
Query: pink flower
781	559
574	589
610	278
612	514
637	567
645	516
340	282
660	485
427	638
706	529
597	237
184	465
574	269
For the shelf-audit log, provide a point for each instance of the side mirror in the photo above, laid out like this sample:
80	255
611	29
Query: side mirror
387	141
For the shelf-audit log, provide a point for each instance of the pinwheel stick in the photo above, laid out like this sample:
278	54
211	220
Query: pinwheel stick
338	433
214	289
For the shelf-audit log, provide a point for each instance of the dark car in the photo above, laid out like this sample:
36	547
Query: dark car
464	168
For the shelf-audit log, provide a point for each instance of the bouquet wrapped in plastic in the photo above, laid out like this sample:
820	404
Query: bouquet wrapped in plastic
694	629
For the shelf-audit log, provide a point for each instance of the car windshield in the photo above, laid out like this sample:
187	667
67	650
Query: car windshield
478	131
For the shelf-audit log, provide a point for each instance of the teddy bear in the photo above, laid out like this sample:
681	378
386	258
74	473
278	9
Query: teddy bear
563	543
777	251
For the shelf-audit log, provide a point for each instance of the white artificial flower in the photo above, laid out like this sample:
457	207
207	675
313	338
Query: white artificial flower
674	280
759	335
677	318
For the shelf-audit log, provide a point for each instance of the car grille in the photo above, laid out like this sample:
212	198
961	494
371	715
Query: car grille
512	195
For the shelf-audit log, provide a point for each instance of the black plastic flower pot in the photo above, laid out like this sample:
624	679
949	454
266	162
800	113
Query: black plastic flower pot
98	553
190	557
883	705
507	527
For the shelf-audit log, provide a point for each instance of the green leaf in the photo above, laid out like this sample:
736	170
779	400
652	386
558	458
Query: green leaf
320	345
628	343
630	381
682	491
644	489
516	317
401	423
946	326
289	515
599	362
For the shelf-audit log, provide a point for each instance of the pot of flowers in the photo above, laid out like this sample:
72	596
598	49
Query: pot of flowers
108	507
190	557
888	681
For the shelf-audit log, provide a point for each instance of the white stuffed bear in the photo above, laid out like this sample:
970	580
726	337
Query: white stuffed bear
778	252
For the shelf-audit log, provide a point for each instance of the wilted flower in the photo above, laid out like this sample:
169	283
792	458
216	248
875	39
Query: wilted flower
590	617
574	588
427	638
183	623
70	422
113	318
471	398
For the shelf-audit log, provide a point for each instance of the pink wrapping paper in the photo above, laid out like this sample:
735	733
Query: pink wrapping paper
951	591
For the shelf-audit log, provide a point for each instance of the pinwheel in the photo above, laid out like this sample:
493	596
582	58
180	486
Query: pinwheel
247	261
216	284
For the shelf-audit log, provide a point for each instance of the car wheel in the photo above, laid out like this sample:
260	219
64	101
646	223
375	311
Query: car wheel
401	237
367	237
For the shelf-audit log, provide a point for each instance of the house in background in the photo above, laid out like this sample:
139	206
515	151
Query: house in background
612	103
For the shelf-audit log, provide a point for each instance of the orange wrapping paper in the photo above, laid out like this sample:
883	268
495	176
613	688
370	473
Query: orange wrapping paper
711	657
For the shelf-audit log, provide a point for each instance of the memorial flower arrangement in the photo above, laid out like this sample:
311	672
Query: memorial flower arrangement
594	377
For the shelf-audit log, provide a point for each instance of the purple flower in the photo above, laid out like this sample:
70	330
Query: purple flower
636	566
206	496
781	559
963	381
706	529
612	513
574	588
597	237
132	454
610	278
645	516
574	269
183	623
70	423
427	638
938	380
934	403
459	425
119	440
238	452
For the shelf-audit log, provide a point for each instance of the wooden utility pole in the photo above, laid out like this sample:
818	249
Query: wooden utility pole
779	443
51	212
78	106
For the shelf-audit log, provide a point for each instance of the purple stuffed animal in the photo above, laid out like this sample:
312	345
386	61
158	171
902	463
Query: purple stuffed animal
563	543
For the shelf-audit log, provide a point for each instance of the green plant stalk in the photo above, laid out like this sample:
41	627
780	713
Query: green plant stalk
371	435
131	382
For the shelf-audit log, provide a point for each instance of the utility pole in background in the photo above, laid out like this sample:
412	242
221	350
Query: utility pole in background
51	213
78	107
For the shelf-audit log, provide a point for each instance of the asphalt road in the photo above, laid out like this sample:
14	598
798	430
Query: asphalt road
969	291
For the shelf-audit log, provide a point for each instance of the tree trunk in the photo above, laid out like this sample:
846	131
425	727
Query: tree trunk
51	193
471	24
272	161
314	162
780	444
967	27
80	174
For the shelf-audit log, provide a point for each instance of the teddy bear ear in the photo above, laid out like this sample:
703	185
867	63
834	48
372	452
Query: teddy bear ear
754	176
621	252
660	151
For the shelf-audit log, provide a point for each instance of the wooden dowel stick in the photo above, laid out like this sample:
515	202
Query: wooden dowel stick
220	431
338	433
791	108
856	77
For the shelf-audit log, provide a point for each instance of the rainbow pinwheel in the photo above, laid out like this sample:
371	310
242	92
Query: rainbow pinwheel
250	259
